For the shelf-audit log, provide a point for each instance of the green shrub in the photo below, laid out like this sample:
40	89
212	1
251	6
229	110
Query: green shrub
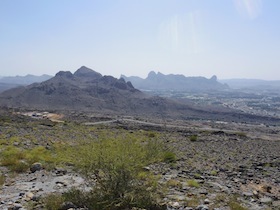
81	198
13	158
115	165
39	154
193	183
19	167
236	206
193	138
152	134
214	173
174	183
193	202
169	157
53	201
19	160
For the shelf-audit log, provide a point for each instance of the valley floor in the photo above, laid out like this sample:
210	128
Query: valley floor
219	165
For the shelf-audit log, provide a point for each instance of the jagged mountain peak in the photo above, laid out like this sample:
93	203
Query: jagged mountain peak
214	78
152	74
67	74
84	71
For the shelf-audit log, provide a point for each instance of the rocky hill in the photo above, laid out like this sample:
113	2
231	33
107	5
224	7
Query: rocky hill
83	90
89	91
159	81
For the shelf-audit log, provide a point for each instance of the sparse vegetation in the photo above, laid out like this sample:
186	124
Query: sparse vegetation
214	173
193	138
2	180
236	206
193	202
116	165
193	183
53	201
174	183
127	167
241	134
13	158
19	160
169	157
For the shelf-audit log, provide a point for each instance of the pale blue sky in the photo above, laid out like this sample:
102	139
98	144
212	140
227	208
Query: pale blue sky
228	38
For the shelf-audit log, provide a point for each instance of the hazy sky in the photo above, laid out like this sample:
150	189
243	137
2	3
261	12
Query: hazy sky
228	38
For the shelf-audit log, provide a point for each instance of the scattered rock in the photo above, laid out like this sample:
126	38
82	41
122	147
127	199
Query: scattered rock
60	171
35	167
266	200
267	188
276	204
202	207
206	201
67	206
247	194
17	206
255	193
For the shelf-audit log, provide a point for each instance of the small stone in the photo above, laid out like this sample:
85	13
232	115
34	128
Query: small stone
67	206
206	201
247	194
276	204
60	171
21	194
266	200
147	168
203	192
175	204
61	183
267	188
35	198
17	206
255	193
16	143
33	179
35	167
202	207
29	194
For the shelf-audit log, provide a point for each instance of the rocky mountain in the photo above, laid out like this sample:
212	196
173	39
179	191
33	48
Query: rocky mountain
83	90
89	91
10	82
159	81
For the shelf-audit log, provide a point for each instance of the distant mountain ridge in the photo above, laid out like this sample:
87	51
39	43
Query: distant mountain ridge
10	81
89	91
252	83
24	80
159	81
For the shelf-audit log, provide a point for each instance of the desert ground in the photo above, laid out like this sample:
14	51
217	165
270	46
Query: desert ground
207	164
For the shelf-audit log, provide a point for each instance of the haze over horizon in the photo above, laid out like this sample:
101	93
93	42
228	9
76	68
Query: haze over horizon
227	38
